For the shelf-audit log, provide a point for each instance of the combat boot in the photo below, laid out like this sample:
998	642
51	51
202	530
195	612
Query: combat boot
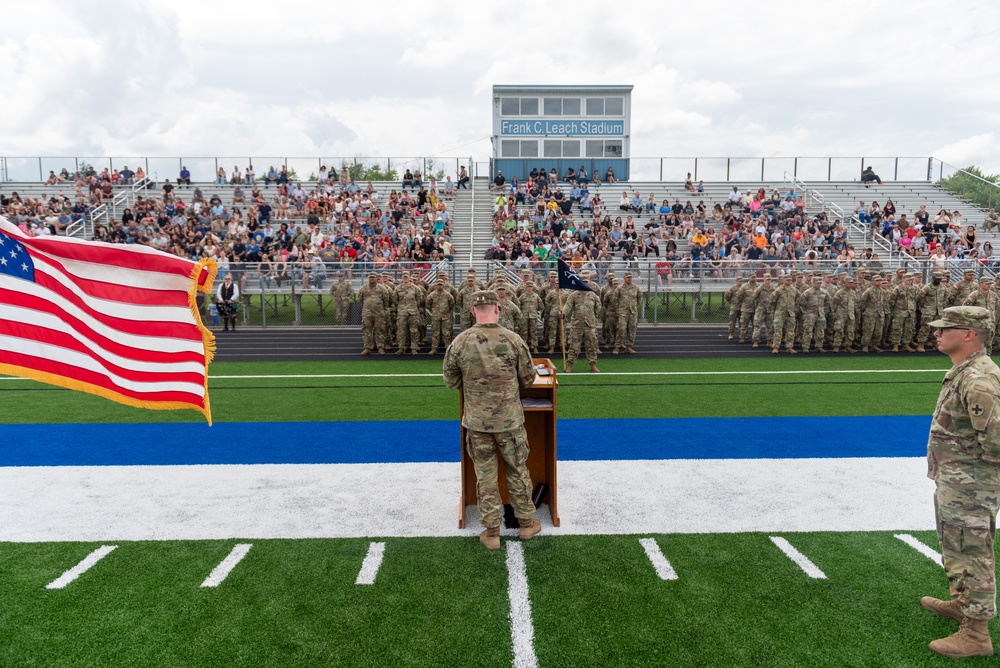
730	336
381	351
549	351
593	368
972	639
791	351
895	348
400	351
756	344
529	528
805	349
921	349
743	339
366	351
943	608
864	349
876	349
490	538
630	350
618	349
432	351
820	349
774	351
569	367
907	348
848	349
415	351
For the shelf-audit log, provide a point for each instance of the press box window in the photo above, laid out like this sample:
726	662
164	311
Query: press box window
561	148
605	106
515	148
561	106
604	148
519	106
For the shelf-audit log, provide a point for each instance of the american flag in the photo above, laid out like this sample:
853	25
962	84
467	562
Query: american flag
114	320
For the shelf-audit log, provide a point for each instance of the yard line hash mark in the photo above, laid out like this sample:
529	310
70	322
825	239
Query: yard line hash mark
81	567
371	564
660	563
920	547
225	567
522	631
811	569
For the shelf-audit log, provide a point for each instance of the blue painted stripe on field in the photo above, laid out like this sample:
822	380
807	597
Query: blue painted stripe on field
437	441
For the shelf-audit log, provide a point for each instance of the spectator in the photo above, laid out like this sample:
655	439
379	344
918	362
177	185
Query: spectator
688	184
184	177
463	177
499	181
868	176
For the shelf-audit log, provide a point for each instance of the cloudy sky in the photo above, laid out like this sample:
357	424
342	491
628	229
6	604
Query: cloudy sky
185	78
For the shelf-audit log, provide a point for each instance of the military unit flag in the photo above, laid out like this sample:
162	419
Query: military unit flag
118	321
569	279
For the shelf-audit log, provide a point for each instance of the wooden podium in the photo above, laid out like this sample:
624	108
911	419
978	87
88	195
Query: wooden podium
539	403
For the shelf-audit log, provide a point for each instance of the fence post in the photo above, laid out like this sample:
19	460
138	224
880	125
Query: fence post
696	169
829	169
728	160
762	168
895	171
40	176
661	170
795	169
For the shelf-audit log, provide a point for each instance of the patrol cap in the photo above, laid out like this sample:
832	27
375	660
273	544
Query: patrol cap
985	279
627	274
500	285
942	273
471	271
963	316
405	274
969	272
372	274
485	298
440	278
753	277
901	270
553	274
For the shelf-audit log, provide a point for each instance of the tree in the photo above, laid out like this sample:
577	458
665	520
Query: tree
359	171
972	185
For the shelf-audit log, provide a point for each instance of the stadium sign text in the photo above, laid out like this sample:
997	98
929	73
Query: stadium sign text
576	128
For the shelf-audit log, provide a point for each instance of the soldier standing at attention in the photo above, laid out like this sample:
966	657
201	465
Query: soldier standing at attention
531	307
464	301
963	458
784	300
553	315
748	305
732	296
442	307
874	308
372	298
629	295
763	315
490	365
551	287
844	316
609	300
341	292
932	301
812	303
583	307
410	307
990	301
510	313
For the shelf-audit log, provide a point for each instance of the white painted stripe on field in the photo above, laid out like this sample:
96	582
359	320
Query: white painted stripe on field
81	567
920	547
660	563
225	567
646	497
810	569
603	374
522	631
371	564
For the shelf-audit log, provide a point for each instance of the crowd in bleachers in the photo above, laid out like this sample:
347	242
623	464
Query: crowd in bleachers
272	219
591	225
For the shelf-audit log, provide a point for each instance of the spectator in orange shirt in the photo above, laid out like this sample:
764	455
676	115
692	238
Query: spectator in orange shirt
759	240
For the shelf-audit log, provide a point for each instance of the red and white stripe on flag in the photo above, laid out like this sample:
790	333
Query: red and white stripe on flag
119	321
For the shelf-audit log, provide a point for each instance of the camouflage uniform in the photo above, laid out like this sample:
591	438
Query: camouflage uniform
609	300
629	295
531	307
989	300
491	364
391	310
372	298
844	316
582	308
903	305
874	308
552	316
812	304
547	315
748	304
466	318
732	295
410	307
763	315
963	288
963	456
933	300
784	299
341	292
510	314
442	307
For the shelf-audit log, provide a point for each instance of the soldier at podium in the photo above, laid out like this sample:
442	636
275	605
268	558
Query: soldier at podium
491	364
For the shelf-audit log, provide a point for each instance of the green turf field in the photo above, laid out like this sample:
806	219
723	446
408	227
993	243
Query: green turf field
596	600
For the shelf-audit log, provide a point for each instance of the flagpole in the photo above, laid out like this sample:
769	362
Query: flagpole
562	326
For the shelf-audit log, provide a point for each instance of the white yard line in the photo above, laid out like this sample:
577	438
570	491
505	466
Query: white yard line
811	569
81	567
522	631
660	563
225	567
921	548
371	564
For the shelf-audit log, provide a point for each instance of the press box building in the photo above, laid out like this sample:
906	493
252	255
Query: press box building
561	126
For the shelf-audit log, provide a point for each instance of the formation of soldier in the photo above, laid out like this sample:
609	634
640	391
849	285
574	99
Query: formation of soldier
871	312
396	315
